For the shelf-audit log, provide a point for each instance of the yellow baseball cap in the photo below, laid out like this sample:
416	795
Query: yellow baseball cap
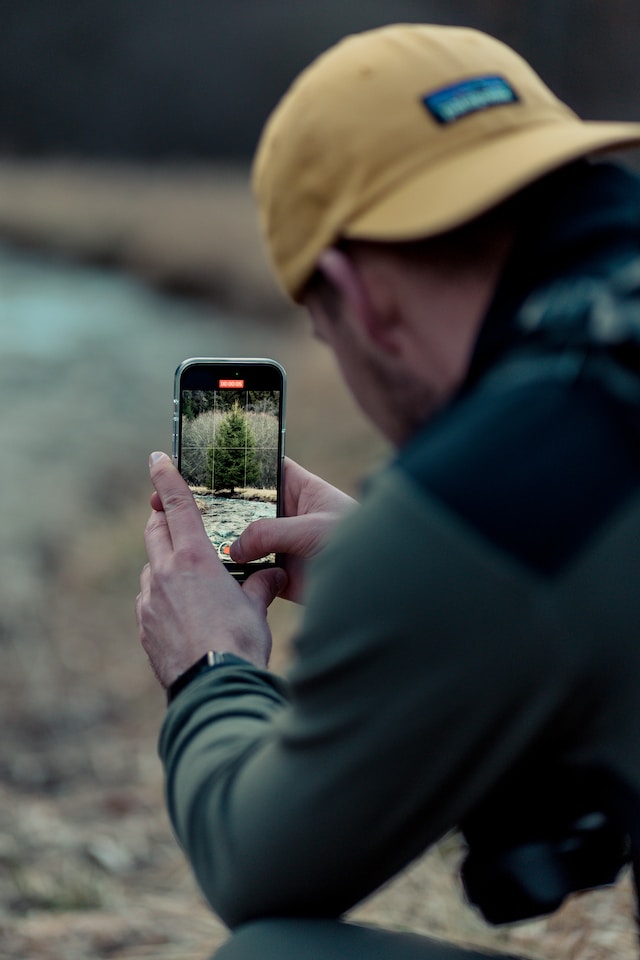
405	132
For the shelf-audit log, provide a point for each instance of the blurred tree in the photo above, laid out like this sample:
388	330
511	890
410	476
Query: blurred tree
197	436
195	402
265	430
262	401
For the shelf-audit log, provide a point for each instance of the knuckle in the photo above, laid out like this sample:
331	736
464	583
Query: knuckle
154	523
177	501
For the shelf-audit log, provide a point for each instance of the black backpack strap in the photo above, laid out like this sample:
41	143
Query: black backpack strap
545	834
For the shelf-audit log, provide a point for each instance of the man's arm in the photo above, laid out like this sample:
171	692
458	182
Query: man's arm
411	695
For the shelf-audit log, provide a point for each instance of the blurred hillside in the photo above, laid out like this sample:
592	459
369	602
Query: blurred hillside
157	79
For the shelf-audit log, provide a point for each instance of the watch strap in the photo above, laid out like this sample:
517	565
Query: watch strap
211	660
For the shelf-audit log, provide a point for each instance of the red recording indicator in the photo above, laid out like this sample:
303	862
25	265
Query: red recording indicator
230	384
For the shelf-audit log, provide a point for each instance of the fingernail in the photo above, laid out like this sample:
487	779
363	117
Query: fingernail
156	455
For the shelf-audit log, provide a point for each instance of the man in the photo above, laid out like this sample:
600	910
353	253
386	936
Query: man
425	196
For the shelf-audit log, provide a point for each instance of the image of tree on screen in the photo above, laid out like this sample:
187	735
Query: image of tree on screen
232	460
229	458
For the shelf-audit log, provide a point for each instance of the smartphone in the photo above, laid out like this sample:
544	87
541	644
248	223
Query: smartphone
228	444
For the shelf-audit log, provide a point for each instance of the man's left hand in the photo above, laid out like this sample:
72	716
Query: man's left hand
188	603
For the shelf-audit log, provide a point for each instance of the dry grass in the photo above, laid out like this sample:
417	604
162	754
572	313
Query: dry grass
90	868
186	230
244	493
256	493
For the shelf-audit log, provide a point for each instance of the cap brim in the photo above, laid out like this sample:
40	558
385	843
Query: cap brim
449	194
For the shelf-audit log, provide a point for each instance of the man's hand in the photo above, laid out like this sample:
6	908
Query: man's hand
312	507
188	603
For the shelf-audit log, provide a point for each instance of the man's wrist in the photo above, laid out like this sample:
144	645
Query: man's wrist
211	660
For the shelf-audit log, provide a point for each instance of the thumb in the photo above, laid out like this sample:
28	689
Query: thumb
264	586
298	536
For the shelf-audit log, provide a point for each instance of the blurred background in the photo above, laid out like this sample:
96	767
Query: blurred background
127	243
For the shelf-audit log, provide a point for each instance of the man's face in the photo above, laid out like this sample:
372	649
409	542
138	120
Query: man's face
402	329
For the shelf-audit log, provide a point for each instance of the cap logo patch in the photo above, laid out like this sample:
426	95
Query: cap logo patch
460	99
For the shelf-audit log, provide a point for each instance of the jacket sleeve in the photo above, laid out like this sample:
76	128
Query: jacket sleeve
411	693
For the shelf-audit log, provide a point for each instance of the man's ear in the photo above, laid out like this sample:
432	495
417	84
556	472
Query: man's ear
353	294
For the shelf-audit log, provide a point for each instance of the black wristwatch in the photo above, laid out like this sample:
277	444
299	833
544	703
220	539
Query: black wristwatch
210	661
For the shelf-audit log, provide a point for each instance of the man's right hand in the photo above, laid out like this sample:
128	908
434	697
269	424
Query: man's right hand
312	507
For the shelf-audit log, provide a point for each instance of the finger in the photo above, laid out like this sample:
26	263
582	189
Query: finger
294	535
182	515
294	473
145	577
295	477
141	632
157	537
155	501
264	586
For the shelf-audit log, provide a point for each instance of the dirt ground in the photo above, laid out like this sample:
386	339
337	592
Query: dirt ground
88	865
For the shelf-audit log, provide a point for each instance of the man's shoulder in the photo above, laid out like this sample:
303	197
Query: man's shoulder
535	467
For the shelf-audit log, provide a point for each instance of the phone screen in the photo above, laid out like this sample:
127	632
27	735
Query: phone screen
229	445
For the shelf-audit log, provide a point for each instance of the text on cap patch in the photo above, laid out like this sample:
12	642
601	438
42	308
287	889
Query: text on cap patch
469	96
